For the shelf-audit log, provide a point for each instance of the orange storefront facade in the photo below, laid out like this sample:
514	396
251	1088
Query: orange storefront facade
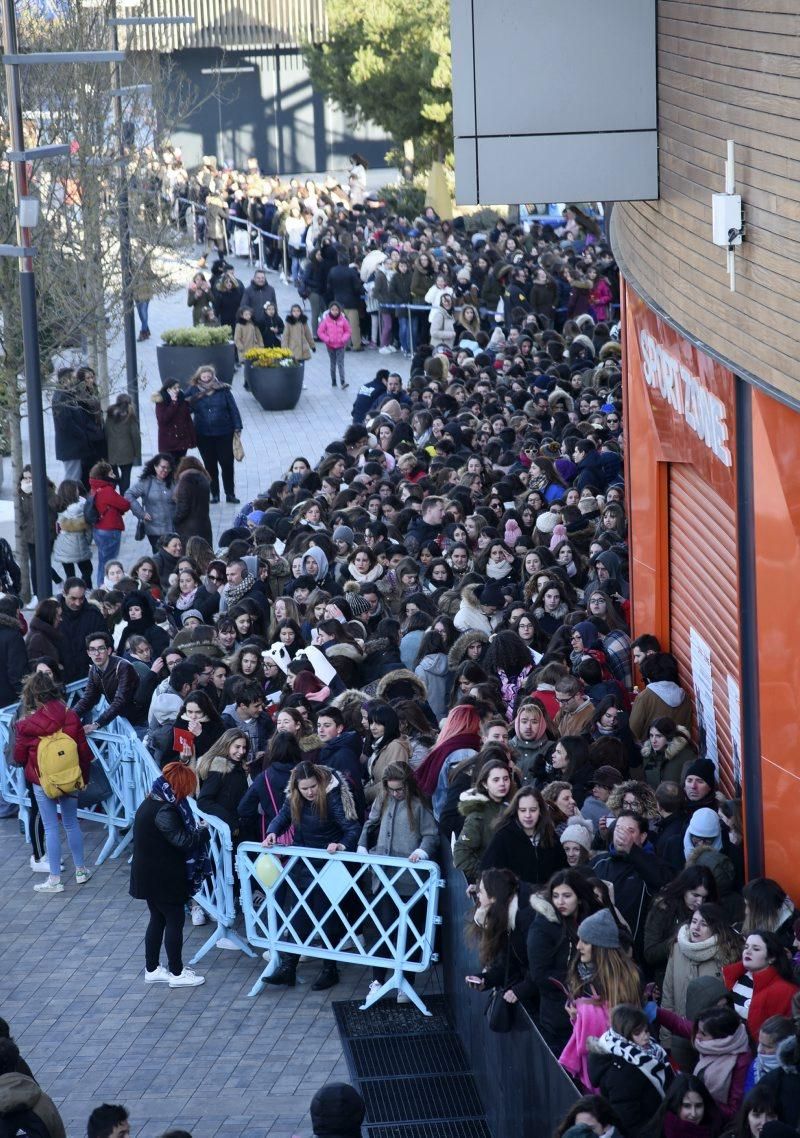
713	470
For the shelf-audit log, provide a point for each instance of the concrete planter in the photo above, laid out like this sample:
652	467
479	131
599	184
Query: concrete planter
181	363
275	388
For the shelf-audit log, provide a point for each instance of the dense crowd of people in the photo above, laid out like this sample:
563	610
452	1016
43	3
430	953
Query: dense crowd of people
424	633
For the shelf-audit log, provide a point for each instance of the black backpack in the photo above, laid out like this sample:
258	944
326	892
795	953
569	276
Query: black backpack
23	1122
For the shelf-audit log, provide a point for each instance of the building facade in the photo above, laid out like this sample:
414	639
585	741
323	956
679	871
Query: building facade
712	388
242	67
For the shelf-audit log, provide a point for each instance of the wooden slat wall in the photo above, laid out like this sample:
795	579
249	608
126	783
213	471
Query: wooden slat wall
726	70
235	25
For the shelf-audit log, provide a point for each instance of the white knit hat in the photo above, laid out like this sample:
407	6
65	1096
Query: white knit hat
577	832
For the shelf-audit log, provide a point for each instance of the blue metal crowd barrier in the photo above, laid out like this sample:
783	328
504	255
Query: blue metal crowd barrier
123	759
216	897
384	909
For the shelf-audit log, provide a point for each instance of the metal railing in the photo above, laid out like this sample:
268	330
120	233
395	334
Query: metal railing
345	907
216	896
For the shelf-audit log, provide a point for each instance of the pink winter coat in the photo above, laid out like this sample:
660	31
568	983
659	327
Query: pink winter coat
591	1020
334	333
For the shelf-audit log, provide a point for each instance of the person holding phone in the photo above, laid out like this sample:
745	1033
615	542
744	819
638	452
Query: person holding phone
502	921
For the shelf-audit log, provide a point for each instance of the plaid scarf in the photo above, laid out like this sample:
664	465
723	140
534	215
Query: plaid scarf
234	593
198	863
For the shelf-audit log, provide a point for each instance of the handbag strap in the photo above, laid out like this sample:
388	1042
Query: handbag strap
274	806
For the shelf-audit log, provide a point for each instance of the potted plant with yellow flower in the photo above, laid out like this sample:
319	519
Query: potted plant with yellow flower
274	377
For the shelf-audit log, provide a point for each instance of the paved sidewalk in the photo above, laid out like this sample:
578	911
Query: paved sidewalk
209	1060
271	439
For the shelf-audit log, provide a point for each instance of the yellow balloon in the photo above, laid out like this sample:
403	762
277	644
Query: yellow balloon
267	869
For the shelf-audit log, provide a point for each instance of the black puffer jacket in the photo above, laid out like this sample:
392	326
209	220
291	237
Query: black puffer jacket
161	844
511	849
221	791
550	948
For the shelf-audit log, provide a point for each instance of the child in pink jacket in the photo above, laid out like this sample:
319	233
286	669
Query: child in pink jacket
334	331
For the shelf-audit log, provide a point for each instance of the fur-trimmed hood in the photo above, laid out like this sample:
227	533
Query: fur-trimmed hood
673	747
350	698
351	652
472	802
558	615
334	782
397	676
558	394
310	742
220	764
458	653
469	597
542	906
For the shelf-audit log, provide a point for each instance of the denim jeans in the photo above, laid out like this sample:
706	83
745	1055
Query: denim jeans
108	542
48	808
402	324
142	307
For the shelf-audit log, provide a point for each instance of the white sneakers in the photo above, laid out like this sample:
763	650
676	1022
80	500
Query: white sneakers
159	975
41	864
402	998
387	351
49	886
82	876
226	942
187	979
198	916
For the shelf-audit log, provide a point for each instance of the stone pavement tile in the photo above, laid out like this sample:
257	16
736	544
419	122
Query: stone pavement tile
93	1032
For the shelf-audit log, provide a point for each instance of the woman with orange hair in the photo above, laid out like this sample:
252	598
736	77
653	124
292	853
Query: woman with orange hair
458	739
170	863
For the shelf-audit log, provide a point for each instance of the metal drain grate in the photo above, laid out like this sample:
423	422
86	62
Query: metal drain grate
434	1096
388	1018
461	1128
411	1071
407	1055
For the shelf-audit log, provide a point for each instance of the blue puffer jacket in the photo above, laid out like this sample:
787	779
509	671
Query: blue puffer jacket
340	825
215	413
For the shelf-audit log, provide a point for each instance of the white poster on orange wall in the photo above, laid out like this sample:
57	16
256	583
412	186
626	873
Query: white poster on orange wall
704	697
735	716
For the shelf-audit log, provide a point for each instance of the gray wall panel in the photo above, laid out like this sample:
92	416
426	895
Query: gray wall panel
586	167
550	124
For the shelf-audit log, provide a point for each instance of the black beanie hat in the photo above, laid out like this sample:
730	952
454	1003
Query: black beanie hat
337	1109
704	769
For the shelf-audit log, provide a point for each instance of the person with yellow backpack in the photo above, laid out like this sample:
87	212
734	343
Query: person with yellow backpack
51	745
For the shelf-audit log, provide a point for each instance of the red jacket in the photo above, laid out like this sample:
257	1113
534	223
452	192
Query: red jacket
772	995
175	425
54	716
110	504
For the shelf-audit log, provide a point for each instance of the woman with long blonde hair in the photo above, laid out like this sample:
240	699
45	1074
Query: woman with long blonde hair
600	976
320	808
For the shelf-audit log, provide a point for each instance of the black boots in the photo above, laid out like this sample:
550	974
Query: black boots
286	974
327	977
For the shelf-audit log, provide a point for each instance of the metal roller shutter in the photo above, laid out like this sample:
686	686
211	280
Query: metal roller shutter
704	597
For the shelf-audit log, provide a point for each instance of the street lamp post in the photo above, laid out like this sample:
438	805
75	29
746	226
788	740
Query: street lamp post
27	217
123	213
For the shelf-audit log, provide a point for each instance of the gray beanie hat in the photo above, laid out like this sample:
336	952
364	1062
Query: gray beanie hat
600	930
344	533
192	613
702	994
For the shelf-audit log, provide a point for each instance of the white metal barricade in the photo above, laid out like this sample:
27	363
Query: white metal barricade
346	907
216	896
